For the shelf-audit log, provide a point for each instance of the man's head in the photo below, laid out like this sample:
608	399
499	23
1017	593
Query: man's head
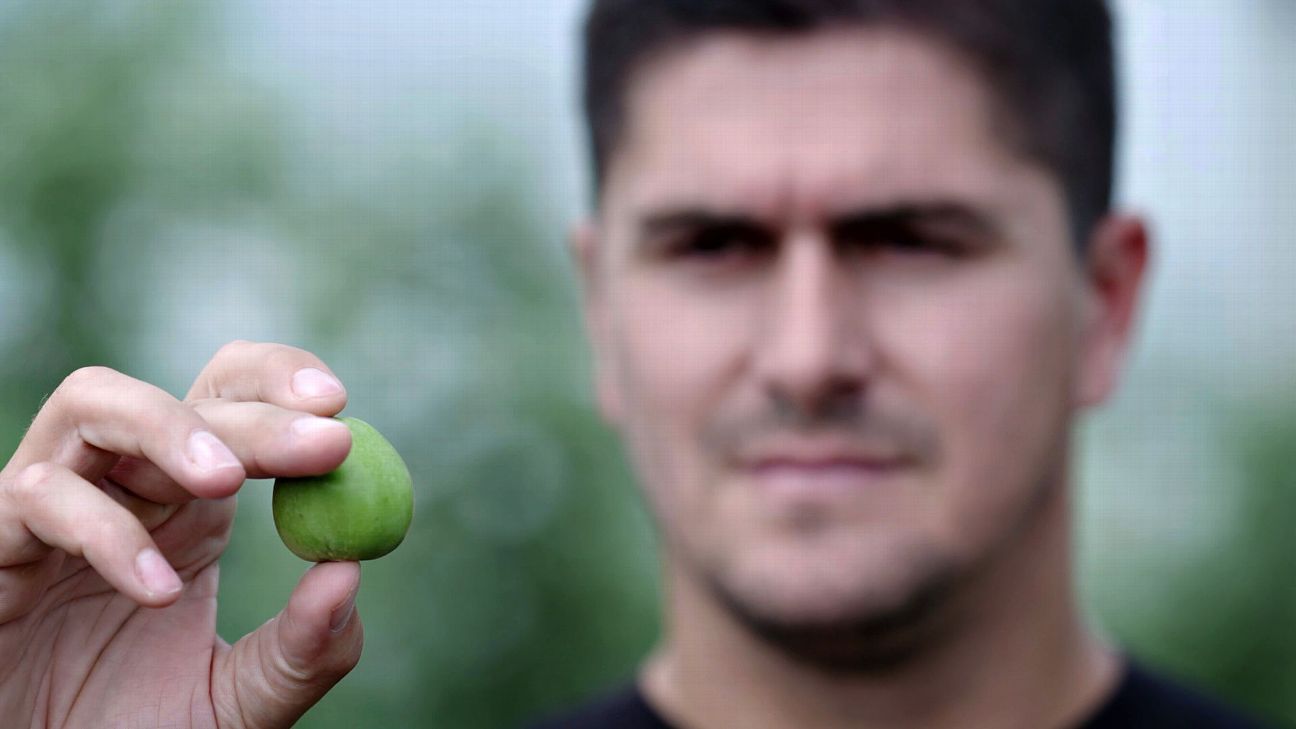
1049	63
835	308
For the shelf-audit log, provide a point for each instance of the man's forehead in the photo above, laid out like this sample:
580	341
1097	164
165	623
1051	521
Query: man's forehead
807	125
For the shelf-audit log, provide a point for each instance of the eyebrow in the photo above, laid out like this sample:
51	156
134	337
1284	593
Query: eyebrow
674	220
665	222
945	213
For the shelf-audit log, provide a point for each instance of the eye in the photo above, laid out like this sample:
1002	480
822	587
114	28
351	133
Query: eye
714	244
910	242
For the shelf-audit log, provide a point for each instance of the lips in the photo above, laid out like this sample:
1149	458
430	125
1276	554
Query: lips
820	469
819	454
838	474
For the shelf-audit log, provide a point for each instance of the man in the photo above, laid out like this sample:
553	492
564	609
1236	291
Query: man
851	276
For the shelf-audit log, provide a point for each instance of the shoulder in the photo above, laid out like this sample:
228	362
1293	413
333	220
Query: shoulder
1146	699
623	708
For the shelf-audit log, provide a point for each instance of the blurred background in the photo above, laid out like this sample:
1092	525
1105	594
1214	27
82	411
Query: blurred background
388	184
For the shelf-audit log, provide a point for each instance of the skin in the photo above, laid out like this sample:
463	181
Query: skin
109	470
844	333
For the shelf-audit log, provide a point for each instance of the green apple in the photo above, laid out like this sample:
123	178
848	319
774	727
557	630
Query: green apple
360	510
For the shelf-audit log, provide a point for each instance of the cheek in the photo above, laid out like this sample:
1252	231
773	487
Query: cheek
672	350
991	361
672	356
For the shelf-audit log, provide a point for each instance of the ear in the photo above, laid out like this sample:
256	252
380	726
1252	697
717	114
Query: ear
586	247
1113	280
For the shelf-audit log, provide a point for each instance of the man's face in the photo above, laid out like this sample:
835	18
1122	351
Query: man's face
836	318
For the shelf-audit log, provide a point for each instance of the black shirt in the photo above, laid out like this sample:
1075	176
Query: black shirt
1141	701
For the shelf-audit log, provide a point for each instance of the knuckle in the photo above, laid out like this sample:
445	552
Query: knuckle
277	352
84	379
281	357
34	479
164	419
325	670
95	535
107	533
288	675
233	348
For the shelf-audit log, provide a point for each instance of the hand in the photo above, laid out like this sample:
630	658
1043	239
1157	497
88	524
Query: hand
114	511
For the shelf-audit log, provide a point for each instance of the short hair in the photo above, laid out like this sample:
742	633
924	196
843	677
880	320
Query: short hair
1048	64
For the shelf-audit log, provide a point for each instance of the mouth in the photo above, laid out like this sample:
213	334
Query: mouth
820	471
823	476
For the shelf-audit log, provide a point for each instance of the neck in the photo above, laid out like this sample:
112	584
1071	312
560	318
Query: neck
1015	652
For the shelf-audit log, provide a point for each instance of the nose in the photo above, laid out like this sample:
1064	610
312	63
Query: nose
812	351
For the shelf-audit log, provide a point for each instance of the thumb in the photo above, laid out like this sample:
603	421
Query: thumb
273	675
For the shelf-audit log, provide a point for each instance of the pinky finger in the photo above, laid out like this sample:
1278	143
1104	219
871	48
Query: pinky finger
66	512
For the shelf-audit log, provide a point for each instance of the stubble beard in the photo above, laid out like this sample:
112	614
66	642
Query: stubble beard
873	614
869	631
878	623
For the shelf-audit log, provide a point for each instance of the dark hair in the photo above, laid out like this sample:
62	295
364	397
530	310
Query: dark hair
1049	63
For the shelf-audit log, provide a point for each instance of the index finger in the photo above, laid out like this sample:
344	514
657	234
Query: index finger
272	373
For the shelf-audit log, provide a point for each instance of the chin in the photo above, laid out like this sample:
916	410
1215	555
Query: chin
863	606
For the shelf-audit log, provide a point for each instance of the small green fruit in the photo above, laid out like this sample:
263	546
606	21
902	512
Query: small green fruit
361	510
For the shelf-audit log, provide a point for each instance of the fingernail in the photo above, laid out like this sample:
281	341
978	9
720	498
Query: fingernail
310	425
156	574
208	453
341	616
310	382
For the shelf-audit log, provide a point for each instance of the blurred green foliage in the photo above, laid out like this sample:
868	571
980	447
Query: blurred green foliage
1222	620
440	294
